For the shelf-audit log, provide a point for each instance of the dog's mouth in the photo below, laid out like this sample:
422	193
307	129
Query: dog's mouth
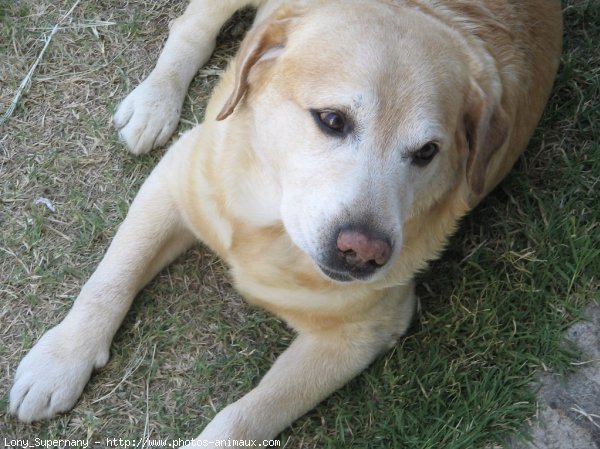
336	275
345	276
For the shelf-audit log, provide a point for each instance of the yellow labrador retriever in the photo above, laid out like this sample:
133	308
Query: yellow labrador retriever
338	153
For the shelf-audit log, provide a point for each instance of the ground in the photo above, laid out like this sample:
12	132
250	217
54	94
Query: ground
493	309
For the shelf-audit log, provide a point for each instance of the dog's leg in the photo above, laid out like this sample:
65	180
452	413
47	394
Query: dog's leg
149	115
315	365
53	374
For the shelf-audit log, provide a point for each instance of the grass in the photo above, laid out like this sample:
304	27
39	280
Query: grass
494	308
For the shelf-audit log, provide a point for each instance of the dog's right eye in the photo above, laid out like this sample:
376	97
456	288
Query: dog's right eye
332	122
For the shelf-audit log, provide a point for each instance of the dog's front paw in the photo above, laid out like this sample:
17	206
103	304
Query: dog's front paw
149	115
51	377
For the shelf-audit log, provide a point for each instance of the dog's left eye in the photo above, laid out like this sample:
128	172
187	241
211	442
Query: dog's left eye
332	122
425	154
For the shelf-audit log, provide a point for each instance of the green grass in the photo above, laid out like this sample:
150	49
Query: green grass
493	309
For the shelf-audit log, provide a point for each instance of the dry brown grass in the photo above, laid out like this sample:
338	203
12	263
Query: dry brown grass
59	145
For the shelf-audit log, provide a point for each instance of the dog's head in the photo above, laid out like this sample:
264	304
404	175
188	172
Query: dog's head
366	115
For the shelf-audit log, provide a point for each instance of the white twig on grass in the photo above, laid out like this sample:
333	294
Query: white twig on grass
79	26
46	202
27	79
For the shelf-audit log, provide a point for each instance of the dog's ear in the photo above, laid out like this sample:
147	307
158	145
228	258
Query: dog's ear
486	127
261	43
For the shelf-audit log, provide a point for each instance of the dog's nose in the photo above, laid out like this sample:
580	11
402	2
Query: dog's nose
360	250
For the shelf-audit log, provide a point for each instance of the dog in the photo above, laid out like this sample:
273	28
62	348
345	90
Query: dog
339	150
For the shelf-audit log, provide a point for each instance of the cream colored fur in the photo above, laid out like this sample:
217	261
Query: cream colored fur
263	186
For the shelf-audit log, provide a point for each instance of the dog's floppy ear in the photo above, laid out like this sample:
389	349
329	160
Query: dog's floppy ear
486	126
261	43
